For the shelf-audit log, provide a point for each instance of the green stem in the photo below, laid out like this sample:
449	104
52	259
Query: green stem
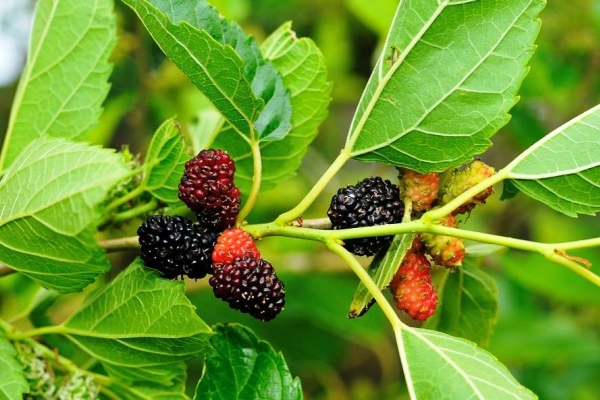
124	199
44	330
125	243
573	266
446	209
579	244
548	250
256	181
364	277
135	212
311	196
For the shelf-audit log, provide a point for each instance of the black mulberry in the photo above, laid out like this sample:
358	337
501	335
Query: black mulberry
370	202
175	246
208	189
251	286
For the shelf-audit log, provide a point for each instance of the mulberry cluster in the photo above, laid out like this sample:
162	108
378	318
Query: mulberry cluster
370	202
176	246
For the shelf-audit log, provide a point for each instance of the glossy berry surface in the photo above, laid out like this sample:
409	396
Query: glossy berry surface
207	187
175	246
251	286
370	202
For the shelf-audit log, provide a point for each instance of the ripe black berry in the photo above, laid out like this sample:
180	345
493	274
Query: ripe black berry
175	246
208	189
251	286
370	202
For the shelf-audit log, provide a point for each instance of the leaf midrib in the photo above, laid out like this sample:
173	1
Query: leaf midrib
442	99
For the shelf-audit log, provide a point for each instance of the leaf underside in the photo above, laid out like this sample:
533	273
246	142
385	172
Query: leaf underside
13	383
444	84
562	169
64	81
438	366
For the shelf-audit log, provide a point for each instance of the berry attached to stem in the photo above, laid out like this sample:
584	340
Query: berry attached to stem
371	202
412	288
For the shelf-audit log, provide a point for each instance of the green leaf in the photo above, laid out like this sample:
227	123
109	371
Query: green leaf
151	391
382	270
444	84
49	212
165	163
140	327
217	70
65	78
13	383
438	366
239	366
304	74
562	169
468	305
273	122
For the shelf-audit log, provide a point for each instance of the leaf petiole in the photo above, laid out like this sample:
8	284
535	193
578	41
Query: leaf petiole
311	196
256	181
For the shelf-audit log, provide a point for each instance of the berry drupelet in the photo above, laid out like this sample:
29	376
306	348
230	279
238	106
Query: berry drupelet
175	246
231	244
370	202
251	286
412	288
208	189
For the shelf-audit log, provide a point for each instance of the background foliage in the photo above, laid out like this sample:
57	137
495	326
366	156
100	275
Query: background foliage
548	329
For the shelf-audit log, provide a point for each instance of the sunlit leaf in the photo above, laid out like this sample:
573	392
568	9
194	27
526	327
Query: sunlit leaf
65	78
274	120
217	70
140	327
50	197
447	76
562	169
438	366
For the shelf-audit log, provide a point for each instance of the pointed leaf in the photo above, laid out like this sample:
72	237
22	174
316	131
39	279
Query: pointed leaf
382	270
303	69
165	163
215	69
468	305
13	383
65	78
140	327
562	169
239	366
445	81
438	366
49	211
274	120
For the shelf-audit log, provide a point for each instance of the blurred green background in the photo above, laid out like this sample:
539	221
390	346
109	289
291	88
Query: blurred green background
548	330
